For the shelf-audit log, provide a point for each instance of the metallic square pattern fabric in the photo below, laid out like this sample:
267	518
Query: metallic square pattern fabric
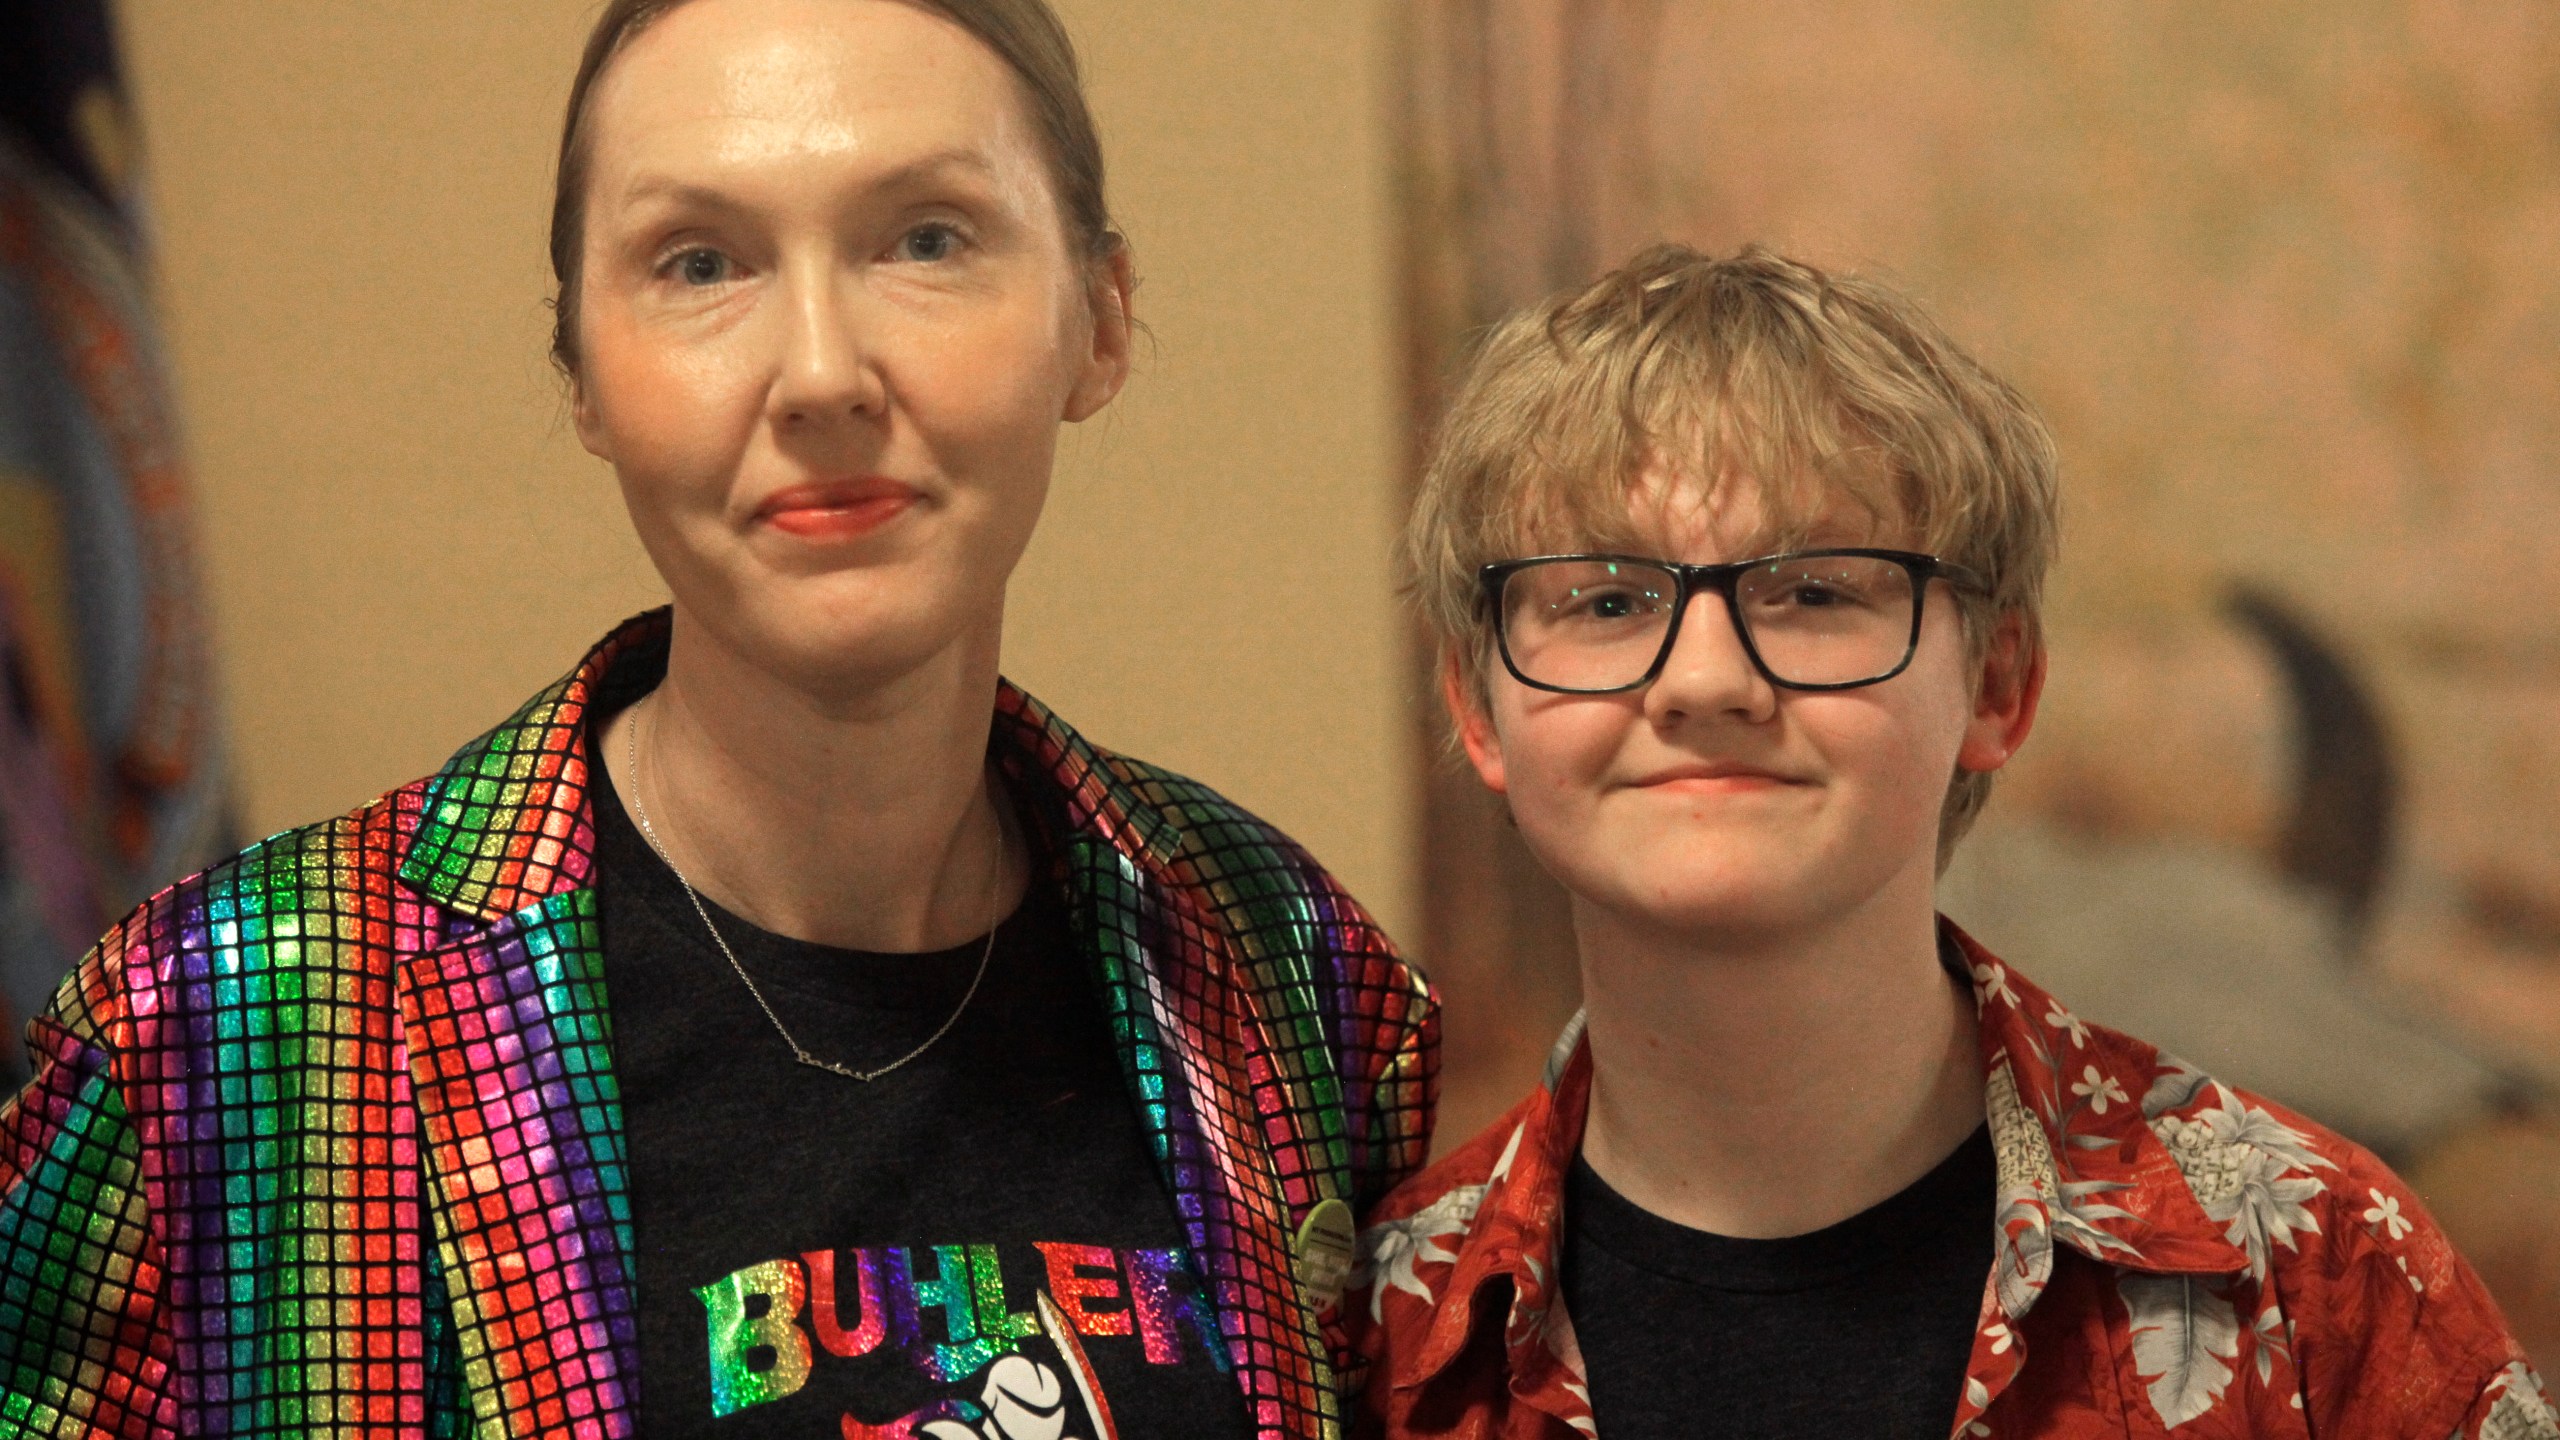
213	1184
326	1140
516	1087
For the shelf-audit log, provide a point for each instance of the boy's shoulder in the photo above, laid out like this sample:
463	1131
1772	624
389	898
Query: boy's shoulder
1452	1187
2306	1269
2306	1266
1482	1218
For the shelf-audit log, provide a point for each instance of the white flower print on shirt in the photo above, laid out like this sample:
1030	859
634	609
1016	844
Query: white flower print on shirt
1991	982
2099	1089
2519	1412
2250	1171
2386	1214
1390	1250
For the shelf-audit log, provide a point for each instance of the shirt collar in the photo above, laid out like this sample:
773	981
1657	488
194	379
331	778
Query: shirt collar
1512	1223
2069	1105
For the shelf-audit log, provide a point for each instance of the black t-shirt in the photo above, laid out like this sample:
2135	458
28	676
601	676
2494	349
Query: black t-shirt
977	1244
1863	1328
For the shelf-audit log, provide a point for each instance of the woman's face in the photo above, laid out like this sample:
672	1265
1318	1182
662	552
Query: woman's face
830	323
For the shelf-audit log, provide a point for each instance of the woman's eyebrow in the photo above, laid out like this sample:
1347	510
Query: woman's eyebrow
907	174
679	194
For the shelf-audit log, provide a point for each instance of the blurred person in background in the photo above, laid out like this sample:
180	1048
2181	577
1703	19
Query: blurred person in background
111	783
1738	568
780	1025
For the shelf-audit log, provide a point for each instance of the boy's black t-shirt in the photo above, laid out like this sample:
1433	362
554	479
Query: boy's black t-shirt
1863	1328
977	1244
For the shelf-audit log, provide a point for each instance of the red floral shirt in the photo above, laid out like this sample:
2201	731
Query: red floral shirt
2171	1257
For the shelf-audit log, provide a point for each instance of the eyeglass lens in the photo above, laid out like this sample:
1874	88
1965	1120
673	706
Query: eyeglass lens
1814	619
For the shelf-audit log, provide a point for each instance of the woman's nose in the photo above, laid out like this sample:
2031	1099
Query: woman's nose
829	370
1709	670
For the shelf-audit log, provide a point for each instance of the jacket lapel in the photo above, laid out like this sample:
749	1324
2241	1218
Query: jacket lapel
526	1176
1205	976
509	1057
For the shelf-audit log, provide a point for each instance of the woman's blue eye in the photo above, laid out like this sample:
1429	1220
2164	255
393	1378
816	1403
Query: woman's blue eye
928	243
702	267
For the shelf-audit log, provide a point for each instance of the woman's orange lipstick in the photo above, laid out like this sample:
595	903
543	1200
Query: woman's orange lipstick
838	510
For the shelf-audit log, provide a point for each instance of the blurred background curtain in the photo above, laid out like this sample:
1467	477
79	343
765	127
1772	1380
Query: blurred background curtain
110	784
2279	272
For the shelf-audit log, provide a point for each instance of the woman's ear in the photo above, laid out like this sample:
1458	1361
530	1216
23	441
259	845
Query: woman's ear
1106	366
2005	695
1475	727
591	431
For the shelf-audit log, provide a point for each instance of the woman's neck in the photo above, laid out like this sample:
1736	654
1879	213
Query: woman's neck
1779	1085
864	820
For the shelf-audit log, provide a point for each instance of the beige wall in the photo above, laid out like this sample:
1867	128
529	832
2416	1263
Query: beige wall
404	540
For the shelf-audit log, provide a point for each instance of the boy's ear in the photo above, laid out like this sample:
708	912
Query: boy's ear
1475	728
2005	696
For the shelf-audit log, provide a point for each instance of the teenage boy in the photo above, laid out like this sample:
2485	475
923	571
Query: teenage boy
1736	565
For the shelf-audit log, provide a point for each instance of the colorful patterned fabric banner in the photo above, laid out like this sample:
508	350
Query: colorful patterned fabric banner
109	782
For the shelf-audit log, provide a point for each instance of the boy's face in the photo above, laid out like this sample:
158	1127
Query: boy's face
1711	804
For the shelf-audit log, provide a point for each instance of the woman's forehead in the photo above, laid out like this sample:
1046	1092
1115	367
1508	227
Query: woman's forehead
734	87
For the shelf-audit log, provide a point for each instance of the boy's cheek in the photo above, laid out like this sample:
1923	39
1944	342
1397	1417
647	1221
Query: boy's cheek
1555	812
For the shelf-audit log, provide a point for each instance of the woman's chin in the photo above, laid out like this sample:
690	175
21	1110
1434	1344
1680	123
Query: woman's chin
828	638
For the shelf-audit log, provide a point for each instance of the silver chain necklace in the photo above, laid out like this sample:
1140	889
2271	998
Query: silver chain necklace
649	832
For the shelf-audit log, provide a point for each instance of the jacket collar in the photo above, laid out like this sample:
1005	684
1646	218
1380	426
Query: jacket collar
2068	1104
506	822
509	1046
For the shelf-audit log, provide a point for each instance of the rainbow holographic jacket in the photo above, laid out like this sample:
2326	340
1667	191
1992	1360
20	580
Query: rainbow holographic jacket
326	1140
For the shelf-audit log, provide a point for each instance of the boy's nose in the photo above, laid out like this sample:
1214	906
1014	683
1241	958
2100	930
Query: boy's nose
1709	670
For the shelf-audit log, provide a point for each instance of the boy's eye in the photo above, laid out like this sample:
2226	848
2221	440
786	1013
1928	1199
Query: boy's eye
1608	603
1802	593
927	244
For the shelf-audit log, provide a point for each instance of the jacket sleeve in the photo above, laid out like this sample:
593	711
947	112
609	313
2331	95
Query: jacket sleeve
1405	1092
85	1349
1386	1028
1392	1140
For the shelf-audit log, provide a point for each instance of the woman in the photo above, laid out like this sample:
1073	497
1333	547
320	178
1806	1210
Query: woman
780	1025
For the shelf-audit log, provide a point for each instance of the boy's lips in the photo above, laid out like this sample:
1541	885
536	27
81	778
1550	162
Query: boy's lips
1712	776
838	509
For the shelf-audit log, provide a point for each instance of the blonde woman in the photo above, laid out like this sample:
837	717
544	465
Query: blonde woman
780	1026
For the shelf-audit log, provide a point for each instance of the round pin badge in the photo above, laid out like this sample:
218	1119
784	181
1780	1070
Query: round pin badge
1323	1253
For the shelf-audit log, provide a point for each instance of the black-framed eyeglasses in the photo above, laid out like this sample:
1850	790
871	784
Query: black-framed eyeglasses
1809	620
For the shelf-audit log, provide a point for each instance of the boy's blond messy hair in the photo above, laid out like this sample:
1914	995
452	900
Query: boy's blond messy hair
1753	369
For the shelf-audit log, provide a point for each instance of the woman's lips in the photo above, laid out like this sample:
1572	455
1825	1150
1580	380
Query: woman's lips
842	510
